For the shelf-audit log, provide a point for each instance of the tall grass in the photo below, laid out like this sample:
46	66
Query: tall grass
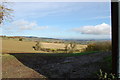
99	46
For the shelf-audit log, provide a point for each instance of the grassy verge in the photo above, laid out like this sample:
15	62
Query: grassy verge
56	54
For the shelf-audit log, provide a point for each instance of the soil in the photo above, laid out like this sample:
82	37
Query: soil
13	68
35	65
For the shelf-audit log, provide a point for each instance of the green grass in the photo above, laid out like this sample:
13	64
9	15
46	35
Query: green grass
54	55
63	54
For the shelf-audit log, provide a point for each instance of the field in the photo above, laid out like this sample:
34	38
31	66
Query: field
14	46
20	60
43	66
46	40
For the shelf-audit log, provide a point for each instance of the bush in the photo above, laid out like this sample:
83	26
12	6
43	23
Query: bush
20	39
100	46
37	46
105	76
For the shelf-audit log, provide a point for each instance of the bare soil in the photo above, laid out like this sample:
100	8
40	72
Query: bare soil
12	68
84	66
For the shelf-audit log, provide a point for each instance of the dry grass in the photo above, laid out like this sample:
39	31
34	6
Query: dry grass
14	46
100	46
60	45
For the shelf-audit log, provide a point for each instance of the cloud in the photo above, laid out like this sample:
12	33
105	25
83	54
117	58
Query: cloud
22	25
43	9
101	29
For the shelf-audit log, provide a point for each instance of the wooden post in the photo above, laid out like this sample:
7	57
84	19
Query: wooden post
115	32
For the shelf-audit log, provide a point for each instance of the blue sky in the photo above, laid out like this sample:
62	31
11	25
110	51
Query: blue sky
68	20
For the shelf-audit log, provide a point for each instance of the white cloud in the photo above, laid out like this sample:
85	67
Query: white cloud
101	29
22	25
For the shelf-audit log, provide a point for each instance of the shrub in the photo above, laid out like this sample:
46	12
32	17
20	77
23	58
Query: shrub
105	76
37	46
20	39
100	46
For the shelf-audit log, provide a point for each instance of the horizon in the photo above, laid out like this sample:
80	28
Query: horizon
55	38
61	20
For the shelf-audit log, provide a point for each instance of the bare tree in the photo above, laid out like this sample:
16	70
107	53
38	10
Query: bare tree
70	47
5	12
38	46
66	48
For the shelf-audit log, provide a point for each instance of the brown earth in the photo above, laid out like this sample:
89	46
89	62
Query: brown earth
12	68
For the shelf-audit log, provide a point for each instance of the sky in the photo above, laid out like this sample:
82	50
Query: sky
63	20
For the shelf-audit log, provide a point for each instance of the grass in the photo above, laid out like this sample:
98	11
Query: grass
14	46
57	54
25	47
99	46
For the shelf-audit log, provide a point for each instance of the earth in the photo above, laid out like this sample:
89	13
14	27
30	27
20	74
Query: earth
37	66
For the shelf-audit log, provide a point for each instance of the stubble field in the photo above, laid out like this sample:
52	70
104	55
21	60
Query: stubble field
13	46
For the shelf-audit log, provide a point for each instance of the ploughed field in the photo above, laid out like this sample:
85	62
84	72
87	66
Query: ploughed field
43	66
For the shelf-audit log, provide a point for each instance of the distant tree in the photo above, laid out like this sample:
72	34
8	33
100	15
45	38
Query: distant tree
66	48
38	46
21	39
5	12
70	47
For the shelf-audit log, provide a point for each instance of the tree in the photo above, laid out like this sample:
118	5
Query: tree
38	46
70	47
66	48
20	39
5	13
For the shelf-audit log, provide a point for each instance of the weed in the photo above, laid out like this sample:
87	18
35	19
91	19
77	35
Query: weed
105	76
